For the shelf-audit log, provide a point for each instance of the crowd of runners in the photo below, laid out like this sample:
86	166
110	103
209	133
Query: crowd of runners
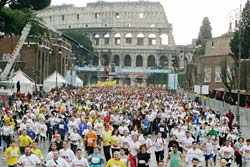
119	127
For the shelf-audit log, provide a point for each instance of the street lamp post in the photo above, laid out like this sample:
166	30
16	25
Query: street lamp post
239	76
60	54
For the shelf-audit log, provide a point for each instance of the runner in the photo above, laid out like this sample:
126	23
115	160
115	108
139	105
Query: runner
12	154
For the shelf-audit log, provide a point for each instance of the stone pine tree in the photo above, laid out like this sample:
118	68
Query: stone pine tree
204	35
242	36
14	14
239	42
25	4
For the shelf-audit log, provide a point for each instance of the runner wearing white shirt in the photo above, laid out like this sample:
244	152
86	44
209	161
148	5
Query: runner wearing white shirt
208	152
29	159
227	152
42	131
159	148
75	140
245	150
79	161
57	161
66	153
194	152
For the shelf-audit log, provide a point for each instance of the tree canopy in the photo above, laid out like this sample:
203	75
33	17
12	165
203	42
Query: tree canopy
241	38
15	20
25	4
204	35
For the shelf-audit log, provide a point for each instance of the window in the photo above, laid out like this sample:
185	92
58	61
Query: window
69	26
128	38
207	72
152	25
106	41
117	39
212	43
78	16
141	15
152	39
86	25
117	15
97	39
129	25
106	38
164	39
62	17
50	18
96	15
140	39
217	77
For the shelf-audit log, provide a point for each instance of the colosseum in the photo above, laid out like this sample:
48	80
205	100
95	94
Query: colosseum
135	37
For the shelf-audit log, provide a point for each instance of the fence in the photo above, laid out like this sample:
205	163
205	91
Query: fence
223	107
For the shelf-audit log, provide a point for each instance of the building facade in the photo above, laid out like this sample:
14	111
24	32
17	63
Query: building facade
39	57
217	58
131	36
217	53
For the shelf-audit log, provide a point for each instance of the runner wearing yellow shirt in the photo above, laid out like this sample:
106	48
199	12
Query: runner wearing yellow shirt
107	137
24	141
12	153
116	161
35	150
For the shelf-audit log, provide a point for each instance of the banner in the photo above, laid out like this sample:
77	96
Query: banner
172	81
108	83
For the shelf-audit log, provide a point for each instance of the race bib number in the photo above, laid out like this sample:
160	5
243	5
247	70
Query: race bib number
142	162
14	154
61	126
161	129
95	160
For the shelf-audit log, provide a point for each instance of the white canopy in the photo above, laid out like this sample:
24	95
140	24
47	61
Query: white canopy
53	81
73	79
79	82
27	85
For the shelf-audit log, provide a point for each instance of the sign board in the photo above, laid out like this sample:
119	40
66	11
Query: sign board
205	90
201	89
172	81
197	89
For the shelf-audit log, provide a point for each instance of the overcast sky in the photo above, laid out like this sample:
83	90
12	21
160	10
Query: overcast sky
186	15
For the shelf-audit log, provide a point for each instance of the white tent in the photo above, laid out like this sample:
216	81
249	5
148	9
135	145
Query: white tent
78	82
53	81
73	79
27	85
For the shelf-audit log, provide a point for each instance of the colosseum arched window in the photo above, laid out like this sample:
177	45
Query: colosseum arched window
105	60
163	61
116	60
128	38
140	39
164	39
127	61
151	61
139	61
152	39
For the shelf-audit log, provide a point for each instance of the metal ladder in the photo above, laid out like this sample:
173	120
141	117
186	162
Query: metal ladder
24	34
